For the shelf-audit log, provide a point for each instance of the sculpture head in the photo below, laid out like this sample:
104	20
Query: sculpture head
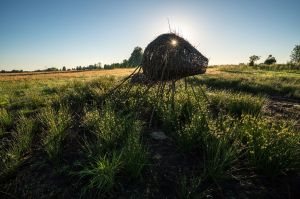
170	57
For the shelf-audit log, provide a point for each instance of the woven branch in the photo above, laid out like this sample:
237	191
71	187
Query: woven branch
170	57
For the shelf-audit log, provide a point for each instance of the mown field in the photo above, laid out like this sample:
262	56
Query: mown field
230	133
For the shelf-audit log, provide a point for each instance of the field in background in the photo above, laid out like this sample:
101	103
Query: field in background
61	135
64	74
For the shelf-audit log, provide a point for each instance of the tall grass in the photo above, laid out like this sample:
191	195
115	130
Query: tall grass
278	67
192	136
175	114
113	148
220	155
106	128
102	173
237	103
272	148
207	137
134	153
6	120
273	67
220	134
190	187
254	81
13	154
56	125
1	132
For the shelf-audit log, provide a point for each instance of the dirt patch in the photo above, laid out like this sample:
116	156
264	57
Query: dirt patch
168	164
283	108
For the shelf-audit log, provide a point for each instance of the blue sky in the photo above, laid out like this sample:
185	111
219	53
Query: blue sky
36	34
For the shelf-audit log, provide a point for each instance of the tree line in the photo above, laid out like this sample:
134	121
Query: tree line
134	60
136	56
294	58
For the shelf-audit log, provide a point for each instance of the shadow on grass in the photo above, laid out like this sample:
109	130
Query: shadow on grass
245	86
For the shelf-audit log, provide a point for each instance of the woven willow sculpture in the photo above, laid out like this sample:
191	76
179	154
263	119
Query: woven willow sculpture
170	57
167	59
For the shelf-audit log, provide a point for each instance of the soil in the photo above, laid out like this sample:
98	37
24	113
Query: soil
279	107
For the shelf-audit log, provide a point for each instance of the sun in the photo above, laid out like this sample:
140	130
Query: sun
174	42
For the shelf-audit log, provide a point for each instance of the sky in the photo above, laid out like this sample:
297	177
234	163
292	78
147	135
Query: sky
37	34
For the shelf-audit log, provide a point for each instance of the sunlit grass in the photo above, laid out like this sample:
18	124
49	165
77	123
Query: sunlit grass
74	131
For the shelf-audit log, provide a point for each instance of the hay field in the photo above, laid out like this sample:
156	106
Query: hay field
65	74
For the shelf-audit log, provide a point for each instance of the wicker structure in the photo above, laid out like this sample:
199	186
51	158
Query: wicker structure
170	57
166	59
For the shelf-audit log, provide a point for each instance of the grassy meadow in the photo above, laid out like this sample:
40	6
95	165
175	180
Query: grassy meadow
230	133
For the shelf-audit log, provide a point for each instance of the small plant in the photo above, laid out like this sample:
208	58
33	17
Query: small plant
110	128
18	146
115	133
189	187
56	124
102	173
219	157
177	114
134	154
91	120
6	120
1	132
106	127
191	137
211	139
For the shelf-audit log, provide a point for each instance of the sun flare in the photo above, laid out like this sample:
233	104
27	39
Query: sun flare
174	42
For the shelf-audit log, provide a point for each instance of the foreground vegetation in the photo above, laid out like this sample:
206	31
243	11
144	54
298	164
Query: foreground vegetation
71	139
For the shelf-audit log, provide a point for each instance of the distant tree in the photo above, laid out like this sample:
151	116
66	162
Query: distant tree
125	63
136	57
99	65
78	68
270	60
64	68
111	66
295	55
253	59
52	69
134	60
2	71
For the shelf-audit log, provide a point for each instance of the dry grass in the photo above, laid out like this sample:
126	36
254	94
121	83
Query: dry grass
65	74
75	74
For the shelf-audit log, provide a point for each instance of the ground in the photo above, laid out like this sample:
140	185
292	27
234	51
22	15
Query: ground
63	136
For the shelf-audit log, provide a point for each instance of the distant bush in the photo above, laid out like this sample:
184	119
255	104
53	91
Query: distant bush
52	69
270	60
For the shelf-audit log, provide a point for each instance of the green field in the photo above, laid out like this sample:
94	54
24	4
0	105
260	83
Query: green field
230	133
